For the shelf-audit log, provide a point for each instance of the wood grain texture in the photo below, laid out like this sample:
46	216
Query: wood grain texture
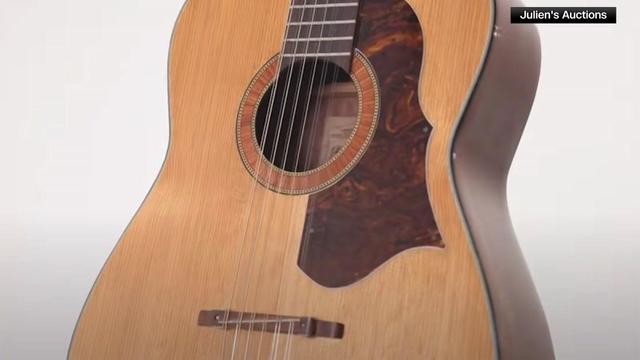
182	249
381	207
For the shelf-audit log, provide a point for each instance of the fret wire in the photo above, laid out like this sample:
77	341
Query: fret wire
335	54
352	4
336	38
330	22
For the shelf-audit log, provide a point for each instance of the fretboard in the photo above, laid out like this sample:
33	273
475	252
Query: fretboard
321	29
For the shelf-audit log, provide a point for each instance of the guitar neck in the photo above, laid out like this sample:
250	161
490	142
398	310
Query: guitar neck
321	29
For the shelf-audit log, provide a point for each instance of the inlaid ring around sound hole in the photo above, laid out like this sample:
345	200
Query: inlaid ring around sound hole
314	180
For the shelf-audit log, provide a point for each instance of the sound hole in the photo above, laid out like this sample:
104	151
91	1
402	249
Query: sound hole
310	118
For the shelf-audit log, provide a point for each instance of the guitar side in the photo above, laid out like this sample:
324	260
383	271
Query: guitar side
483	147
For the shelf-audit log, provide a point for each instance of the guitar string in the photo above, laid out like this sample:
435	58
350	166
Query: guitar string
273	161
314	133
279	127
306	116
289	133
274	344
262	330
227	309
308	157
309	148
306	250
289	342
335	74
312	136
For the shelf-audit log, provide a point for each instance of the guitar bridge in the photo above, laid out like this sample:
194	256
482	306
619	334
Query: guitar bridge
303	326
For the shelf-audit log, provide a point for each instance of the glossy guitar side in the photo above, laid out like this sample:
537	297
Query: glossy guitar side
398	245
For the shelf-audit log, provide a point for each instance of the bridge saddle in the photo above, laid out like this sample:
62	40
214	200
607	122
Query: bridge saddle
303	326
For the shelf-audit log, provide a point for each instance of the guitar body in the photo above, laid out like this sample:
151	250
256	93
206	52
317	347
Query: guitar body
400	243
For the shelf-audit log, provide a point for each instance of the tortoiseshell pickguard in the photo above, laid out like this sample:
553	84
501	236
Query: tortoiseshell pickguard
381	207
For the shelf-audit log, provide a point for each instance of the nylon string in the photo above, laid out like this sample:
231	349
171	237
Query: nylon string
227	309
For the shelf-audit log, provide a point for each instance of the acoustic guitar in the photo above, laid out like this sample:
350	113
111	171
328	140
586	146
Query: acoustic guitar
334	188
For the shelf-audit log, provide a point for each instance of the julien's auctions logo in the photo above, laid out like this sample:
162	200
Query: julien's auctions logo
557	15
